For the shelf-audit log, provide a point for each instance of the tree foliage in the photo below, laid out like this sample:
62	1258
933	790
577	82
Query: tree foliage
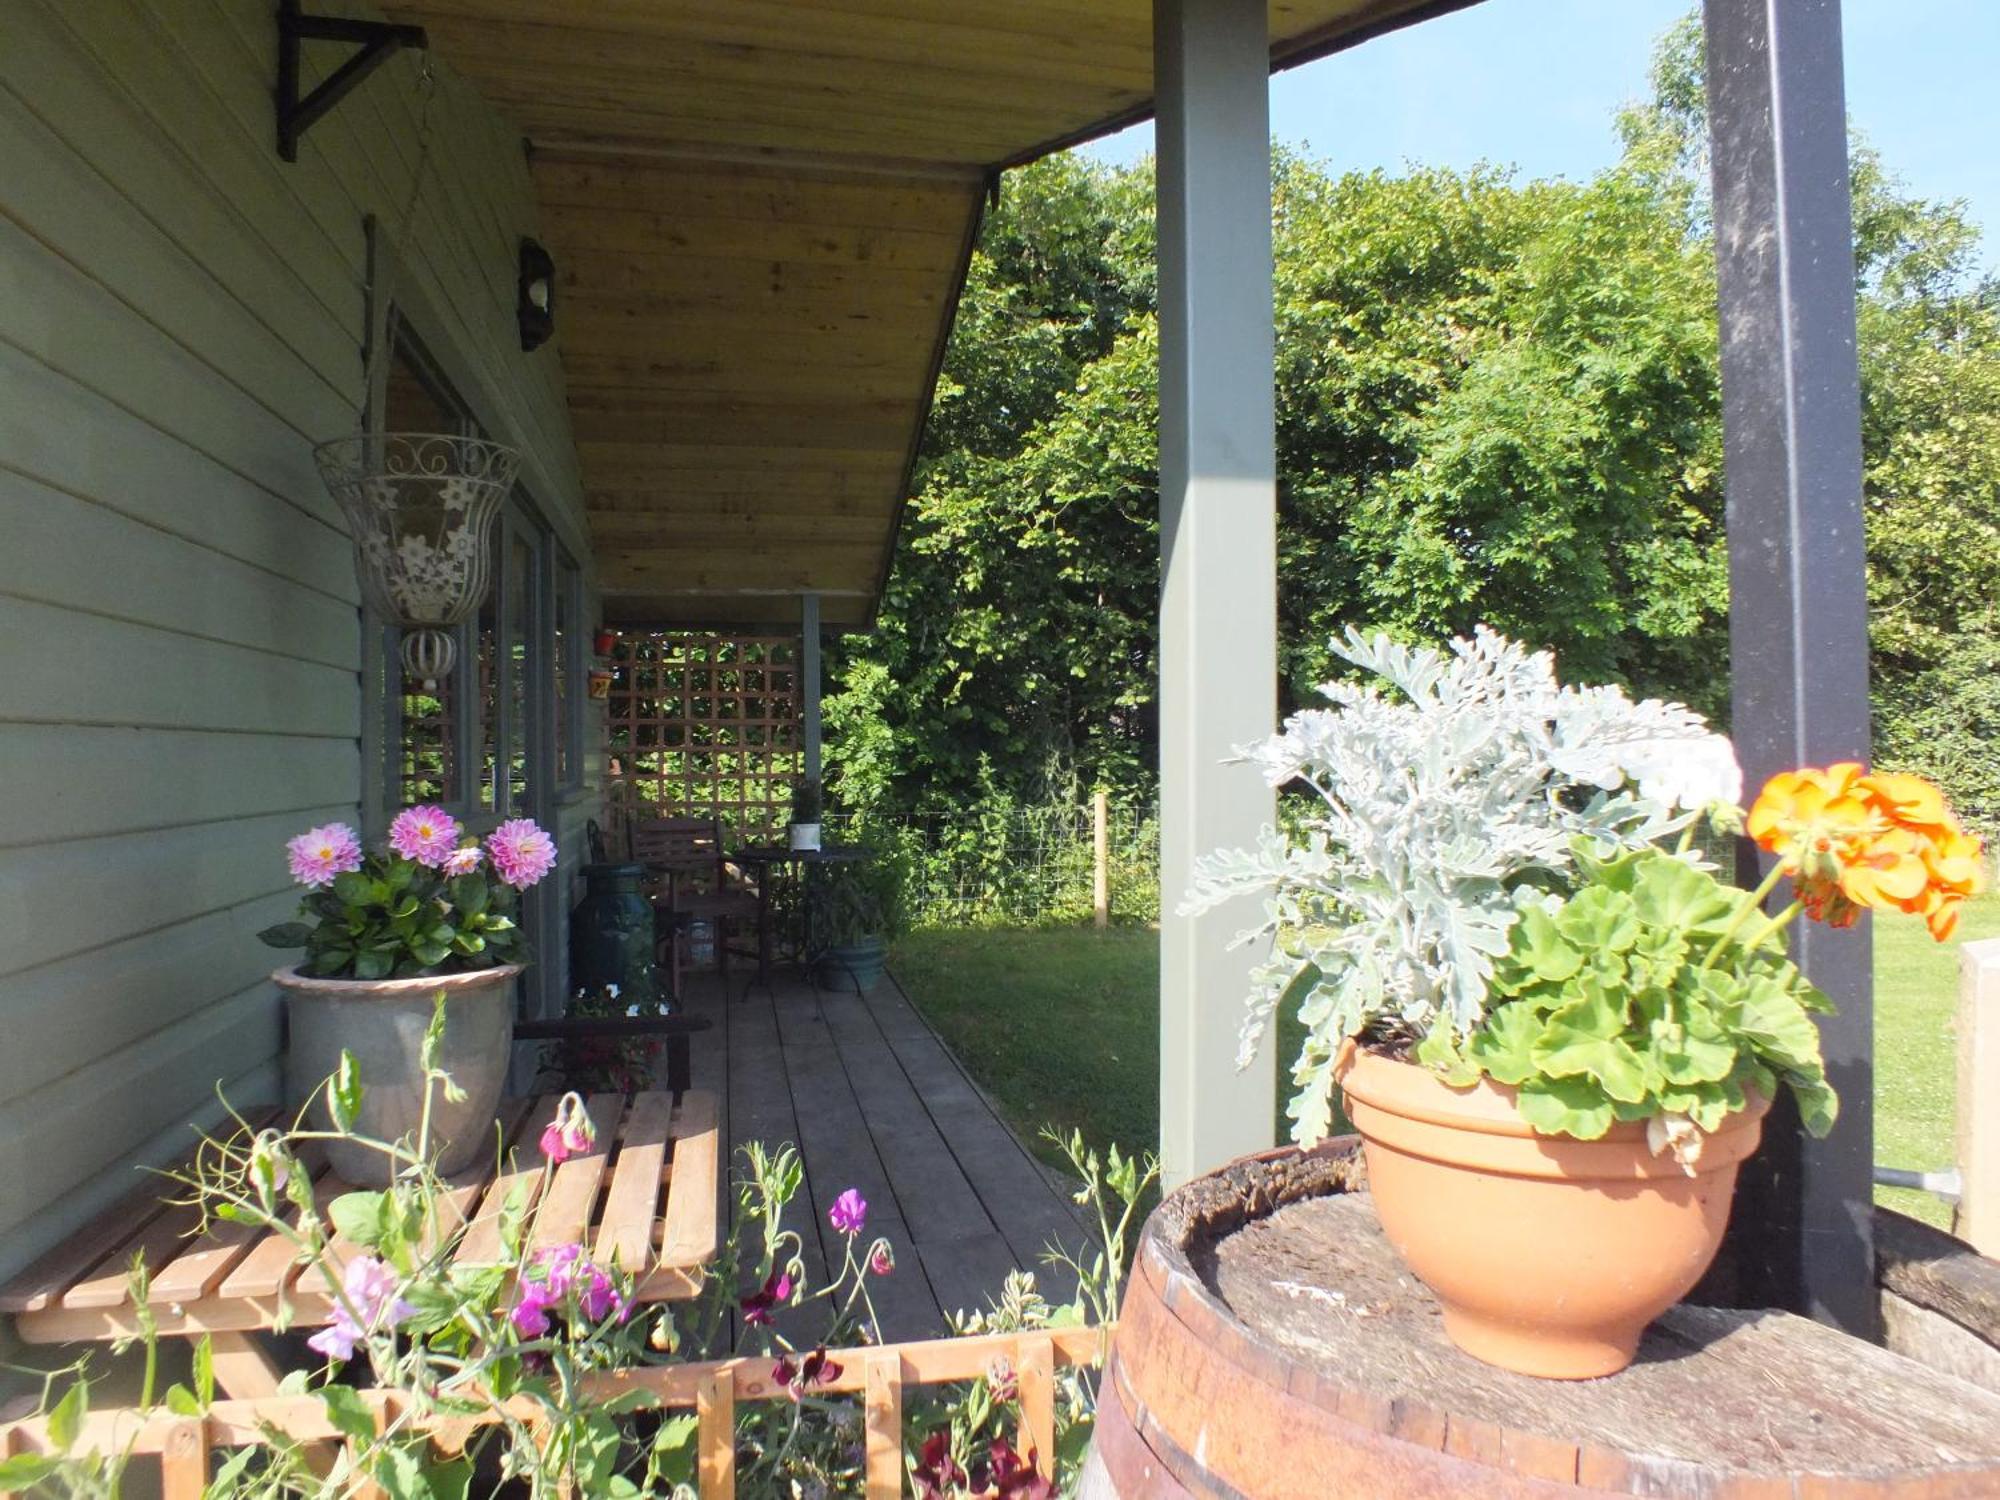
1497	403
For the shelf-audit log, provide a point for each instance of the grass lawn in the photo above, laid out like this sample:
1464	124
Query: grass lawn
1060	1026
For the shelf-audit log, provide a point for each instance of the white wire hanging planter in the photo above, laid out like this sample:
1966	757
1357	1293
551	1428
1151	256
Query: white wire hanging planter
421	507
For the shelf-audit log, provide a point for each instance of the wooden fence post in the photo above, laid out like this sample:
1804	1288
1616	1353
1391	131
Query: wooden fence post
882	1418
184	1460
715	1435
1100	890
1978	1218
1035	1382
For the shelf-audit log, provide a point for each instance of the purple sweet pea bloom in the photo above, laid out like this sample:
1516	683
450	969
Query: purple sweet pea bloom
849	1212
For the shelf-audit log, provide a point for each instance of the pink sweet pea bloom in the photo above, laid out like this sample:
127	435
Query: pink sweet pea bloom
883	1260
428	835
521	852
565	1273
463	861
371	1302
570	1133
319	854
849	1212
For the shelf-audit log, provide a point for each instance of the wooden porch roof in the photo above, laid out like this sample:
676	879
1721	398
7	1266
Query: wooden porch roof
761	213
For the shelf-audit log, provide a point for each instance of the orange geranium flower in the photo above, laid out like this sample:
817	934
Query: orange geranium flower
1852	839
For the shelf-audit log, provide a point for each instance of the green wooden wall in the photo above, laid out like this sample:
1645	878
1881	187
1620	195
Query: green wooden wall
181	316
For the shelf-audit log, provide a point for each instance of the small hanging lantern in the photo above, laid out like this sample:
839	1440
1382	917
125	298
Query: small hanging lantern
421	506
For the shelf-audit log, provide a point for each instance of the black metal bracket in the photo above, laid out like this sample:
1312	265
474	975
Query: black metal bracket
378	41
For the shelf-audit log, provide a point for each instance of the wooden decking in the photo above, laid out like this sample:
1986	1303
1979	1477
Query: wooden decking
874	1101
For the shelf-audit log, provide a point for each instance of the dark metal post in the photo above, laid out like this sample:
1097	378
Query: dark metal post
1803	1235
1218	544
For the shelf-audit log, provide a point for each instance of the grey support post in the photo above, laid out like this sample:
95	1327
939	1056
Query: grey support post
809	681
1798	639
1218	541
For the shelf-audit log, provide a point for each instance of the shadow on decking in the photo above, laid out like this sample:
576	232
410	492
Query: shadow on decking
874	1101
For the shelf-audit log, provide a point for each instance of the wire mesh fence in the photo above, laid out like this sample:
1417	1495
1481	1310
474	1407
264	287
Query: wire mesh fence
1015	866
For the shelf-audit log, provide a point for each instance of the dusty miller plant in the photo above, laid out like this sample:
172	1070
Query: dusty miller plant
1446	792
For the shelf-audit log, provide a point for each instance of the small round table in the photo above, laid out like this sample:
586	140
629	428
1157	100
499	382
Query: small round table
769	857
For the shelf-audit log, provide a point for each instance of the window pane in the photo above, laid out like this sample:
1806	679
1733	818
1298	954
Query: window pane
561	662
486	635
424	768
517	599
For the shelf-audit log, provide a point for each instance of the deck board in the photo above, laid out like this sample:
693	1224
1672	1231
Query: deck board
874	1101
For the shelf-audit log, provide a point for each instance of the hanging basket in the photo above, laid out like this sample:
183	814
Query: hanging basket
421	506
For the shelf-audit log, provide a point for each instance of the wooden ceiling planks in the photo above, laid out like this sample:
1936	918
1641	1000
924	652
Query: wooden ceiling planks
761	212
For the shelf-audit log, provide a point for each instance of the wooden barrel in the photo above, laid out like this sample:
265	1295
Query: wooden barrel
1272	1345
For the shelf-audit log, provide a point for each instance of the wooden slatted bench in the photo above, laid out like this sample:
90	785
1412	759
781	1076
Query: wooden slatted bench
646	1196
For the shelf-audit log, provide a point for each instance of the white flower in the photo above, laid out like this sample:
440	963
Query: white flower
1678	1134
1689	774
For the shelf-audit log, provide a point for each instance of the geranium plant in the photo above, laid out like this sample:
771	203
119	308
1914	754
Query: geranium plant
433	900
1498	878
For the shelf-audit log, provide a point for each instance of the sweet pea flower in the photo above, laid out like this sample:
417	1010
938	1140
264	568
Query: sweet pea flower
798	1377
882	1260
849	1213
530	1314
319	854
370	1301
775	1292
565	1274
570	1133
428	835
463	860
521	852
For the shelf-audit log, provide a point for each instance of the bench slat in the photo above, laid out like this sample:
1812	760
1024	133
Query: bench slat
41	1284
564	1217
632	1205
481	1245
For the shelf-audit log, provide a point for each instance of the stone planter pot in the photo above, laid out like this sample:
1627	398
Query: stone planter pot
853	968
382	1022
1550	1255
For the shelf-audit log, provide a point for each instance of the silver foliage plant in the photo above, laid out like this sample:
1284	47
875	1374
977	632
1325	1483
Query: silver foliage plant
1450	790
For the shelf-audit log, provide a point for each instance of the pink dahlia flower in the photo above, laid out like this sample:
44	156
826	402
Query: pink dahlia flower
521	852
463	861
319	854
428	835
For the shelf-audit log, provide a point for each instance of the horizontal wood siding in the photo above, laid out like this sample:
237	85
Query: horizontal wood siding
181	318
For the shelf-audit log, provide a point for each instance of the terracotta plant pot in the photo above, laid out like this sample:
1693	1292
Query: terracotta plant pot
382	1022
1549	1254
598	683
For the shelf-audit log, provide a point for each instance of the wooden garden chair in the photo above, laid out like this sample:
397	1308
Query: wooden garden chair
696	884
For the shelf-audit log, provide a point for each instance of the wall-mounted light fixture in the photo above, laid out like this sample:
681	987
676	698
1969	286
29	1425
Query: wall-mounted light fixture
536	304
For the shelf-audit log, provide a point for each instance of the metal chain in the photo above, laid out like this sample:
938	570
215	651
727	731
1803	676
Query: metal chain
426	92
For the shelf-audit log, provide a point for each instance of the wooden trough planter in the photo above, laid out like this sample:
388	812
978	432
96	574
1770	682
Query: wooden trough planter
1271	1345
184	1445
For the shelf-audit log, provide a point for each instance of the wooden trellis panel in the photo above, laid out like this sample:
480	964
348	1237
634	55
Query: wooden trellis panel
703	725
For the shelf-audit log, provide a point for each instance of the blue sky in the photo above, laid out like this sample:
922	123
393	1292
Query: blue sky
1534	84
